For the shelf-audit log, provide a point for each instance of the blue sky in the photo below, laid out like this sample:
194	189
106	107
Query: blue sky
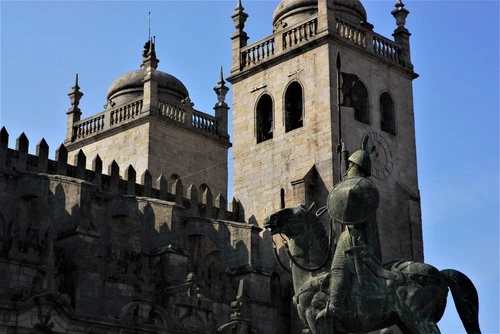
455	49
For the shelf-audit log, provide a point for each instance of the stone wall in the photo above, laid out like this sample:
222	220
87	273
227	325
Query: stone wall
86	252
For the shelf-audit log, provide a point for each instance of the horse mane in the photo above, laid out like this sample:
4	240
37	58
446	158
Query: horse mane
319	231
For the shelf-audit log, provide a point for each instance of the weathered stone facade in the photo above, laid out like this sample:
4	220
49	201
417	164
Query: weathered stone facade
301	165
85	252
128	230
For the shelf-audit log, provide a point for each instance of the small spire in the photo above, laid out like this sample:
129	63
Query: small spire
239	17
221	89
149	54
400	14
74	96
239	6
76	83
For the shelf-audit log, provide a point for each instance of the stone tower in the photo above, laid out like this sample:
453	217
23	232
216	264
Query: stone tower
149	123
286	113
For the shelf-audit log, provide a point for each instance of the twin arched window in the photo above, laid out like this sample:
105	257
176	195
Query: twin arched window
294	110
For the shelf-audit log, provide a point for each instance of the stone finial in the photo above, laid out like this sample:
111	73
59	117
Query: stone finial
221	204
62	159
239	17
192	195
162	186
147	182
114	172
74	112
149	59
42	152
221	108
81	164
131	177
97	168
74	96
4	137
22	143
221	90
177	190
400	14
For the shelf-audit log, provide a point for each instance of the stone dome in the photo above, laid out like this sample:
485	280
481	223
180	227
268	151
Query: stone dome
353	10
290	12
129	87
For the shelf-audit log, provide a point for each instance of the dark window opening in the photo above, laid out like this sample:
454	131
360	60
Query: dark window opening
264	118
360	101
293	107
387	117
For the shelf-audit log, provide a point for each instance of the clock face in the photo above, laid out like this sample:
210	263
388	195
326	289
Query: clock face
381	155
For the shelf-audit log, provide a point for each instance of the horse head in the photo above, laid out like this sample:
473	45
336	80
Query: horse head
288	221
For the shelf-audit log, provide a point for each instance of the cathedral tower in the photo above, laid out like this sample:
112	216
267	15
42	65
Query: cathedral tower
150	123
286	114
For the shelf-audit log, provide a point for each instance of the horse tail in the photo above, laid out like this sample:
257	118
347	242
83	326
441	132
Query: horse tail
465	297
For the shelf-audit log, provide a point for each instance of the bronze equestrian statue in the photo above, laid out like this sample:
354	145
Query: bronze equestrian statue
354	291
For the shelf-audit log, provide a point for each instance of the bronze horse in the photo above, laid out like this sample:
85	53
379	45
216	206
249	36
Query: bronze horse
409	294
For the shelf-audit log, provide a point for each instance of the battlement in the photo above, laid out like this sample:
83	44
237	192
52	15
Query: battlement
18	160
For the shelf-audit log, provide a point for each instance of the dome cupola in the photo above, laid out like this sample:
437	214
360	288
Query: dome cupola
130	86
290	12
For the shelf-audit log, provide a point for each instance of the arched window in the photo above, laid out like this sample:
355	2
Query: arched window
264	115
387	117
293	107
360	101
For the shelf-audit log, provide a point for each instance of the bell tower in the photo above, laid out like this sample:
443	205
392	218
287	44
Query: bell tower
288	91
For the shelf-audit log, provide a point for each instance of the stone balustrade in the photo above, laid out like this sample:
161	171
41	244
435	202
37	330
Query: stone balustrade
353	34
89	126
387	49
300	33
204	122
125	113
168	110
257	52
304	32
108	119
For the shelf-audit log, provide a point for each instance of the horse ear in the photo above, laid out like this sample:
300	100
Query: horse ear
311	207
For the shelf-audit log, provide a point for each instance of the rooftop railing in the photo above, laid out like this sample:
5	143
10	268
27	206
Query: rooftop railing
307	31
113	117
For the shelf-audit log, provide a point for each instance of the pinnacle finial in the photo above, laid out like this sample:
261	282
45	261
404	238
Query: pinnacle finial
400	14
221	89
221	79
149	54
239	6
75	95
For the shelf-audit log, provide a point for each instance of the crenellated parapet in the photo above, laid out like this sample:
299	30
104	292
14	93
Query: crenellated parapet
109	179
